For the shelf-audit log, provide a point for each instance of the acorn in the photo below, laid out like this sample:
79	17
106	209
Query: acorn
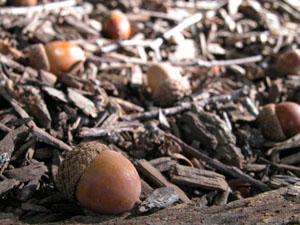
158	73
281	121
116	25
102	180
170	91
56	57
23	2
289	63
167	84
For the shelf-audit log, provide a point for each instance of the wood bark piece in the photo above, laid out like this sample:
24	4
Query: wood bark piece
156	177
195	177
226	140
158	199
230	170
7	185
27	173
56	94
163	163
29	189
34	104
8	144
197	130
48	139
83	103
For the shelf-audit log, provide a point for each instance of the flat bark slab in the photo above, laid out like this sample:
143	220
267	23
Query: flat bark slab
281	206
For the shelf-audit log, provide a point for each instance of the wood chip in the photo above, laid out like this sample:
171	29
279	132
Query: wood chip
7	185
152	173
27	173
158	199
83	103
194	177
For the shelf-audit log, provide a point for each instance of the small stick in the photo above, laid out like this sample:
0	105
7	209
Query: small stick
37	8
187	105
123	43
182	25
212	63
201	5
230	170
199	62
293	142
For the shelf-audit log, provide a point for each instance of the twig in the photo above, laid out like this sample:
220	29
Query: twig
37	8
184	24
124	43
49	139
203	5
230	170
199	62
293	142
11	63
116	128
156	14
212	63
187	105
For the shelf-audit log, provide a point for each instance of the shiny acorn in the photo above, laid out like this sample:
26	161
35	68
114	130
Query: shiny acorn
281	121
56	57
289	63
116	26
102	180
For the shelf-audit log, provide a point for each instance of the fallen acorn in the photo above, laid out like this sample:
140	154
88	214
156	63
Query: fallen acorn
281	121
289	62
56	57
116	25
167	84
170	91
102	180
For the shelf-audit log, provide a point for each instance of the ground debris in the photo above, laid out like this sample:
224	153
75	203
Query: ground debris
207	150
158	199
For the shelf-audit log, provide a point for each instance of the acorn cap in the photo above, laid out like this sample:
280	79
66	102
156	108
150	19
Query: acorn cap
38	57
74	165
170	91
269	123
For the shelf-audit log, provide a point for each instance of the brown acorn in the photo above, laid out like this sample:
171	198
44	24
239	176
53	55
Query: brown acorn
289	63
116	25
158	73
56	57
279	122
102	180
170	91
